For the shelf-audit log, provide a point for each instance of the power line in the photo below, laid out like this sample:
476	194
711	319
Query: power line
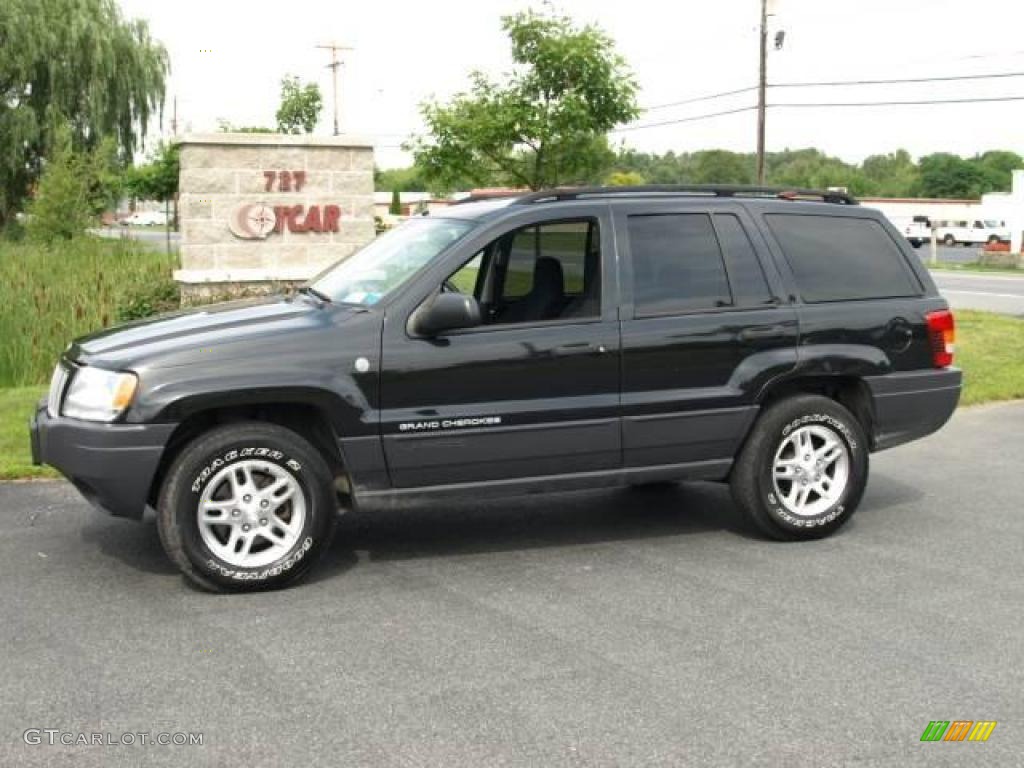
837	83
822	105
890	81
695	99
683	119
912	103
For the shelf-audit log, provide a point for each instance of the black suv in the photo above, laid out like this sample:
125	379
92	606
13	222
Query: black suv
557	340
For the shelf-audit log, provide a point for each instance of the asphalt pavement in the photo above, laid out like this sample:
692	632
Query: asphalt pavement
615	628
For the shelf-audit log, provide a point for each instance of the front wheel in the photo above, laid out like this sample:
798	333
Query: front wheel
246	506
949	240
803	470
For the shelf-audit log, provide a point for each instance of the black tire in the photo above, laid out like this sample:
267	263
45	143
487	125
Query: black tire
949	240
993	239
752	483
198	465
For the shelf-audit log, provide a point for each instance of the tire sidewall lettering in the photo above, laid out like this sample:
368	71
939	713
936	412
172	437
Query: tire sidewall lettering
776	508
210	467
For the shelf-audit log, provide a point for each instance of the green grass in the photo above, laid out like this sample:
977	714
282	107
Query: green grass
973	266
990	349
51	294
16	407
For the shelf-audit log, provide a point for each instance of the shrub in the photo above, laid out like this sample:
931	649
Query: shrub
51	293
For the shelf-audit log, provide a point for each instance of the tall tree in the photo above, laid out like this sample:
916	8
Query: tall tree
997	168
545	123
73	62
300	106
157	179
891	175
947	175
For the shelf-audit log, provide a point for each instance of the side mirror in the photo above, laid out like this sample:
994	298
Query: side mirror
446	312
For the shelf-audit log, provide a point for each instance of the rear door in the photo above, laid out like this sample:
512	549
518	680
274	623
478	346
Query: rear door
704	326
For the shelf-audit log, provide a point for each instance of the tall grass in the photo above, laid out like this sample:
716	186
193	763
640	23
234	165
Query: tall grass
51	294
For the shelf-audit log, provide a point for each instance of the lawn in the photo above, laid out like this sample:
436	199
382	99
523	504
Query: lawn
16	407
972	266
990	349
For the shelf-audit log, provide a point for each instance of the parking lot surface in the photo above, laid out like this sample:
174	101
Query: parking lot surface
635	627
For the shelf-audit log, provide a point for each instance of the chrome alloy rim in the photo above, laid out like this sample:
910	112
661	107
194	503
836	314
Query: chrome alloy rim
251	513
810	470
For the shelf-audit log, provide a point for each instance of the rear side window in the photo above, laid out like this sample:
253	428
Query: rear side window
677	266
746	276
837	258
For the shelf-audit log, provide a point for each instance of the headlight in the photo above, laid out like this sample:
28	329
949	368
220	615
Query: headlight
98	395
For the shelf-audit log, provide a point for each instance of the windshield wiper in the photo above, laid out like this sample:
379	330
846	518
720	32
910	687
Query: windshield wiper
310	291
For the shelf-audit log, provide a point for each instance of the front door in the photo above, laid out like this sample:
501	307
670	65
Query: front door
533	392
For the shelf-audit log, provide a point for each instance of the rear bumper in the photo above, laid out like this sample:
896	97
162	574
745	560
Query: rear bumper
112	465
912	404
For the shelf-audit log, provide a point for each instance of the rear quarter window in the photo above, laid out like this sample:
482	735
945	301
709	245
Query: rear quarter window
839	258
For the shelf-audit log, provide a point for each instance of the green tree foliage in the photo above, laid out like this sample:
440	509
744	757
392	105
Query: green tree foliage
226	126
891	175
624	179
946	175
545	123
73	62
65	199
157	179
395	209
401	179
300	106
716	166
997	167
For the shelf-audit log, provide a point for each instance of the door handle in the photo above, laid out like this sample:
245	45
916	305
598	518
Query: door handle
762	332
583	345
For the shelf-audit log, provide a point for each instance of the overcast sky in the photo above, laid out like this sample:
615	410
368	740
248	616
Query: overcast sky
227	58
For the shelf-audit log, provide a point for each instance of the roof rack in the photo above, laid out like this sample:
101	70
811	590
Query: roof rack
702	190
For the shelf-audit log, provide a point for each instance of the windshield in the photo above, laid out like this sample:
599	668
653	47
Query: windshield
992	224
388	262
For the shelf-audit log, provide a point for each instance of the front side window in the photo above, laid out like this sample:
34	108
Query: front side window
543	272
677	264
388	262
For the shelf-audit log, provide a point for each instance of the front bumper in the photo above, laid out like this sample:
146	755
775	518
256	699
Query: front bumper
912	404
112	465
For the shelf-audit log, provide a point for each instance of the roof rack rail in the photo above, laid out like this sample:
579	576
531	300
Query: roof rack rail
705	190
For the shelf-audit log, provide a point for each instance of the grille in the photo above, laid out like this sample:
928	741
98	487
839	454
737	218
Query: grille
57	385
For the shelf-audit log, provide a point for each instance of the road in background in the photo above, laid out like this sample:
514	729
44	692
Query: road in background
626	628
982	290
154	236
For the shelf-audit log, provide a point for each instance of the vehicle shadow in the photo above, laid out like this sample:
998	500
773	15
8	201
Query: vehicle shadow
432	529
136	544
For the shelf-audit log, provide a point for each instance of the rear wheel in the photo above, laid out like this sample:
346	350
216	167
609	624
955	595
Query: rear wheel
949	240
993	239
803	470
247	506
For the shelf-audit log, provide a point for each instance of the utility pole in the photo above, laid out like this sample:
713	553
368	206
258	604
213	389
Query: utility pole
333	66
762	87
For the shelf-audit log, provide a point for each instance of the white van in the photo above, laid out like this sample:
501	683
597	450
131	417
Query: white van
976	232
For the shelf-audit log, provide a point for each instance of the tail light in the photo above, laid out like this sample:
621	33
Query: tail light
942	334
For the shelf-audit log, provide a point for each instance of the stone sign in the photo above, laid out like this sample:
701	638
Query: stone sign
261	210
